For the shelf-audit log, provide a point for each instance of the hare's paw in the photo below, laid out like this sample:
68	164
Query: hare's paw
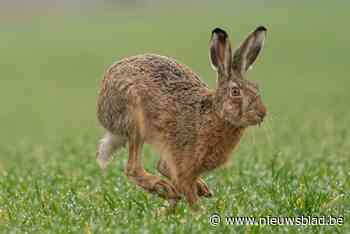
166	190
203	189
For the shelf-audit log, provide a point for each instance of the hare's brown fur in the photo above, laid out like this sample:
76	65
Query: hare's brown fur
155	100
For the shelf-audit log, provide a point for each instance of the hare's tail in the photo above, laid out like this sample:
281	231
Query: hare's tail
109	144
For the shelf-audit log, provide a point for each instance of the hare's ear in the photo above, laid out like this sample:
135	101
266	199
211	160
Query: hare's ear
246	54
220	52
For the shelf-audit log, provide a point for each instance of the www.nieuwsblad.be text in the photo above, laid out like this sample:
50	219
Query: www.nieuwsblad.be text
217	219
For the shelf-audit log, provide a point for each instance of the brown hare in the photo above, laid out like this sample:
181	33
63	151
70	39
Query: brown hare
155	100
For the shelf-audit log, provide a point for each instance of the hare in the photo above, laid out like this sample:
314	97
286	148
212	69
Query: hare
156	100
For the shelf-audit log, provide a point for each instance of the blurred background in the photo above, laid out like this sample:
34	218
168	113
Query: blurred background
53	55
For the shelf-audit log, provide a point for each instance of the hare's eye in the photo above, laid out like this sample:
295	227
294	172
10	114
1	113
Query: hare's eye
235	91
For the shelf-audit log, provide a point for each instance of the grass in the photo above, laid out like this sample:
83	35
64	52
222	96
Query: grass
297	163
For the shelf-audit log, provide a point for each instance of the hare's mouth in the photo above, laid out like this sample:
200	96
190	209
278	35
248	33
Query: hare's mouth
252	117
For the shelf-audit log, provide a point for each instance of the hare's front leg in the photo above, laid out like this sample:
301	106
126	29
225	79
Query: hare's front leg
202	187
185	179
135	171
188	187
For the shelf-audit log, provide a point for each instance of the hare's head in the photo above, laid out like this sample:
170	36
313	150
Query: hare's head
237	100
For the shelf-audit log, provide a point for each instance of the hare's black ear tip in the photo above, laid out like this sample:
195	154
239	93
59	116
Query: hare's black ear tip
219	31
261	29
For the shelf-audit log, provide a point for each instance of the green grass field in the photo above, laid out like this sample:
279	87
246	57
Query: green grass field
297	163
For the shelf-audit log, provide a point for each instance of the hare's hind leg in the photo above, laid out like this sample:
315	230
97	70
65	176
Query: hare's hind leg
109	144
135	171
202	187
